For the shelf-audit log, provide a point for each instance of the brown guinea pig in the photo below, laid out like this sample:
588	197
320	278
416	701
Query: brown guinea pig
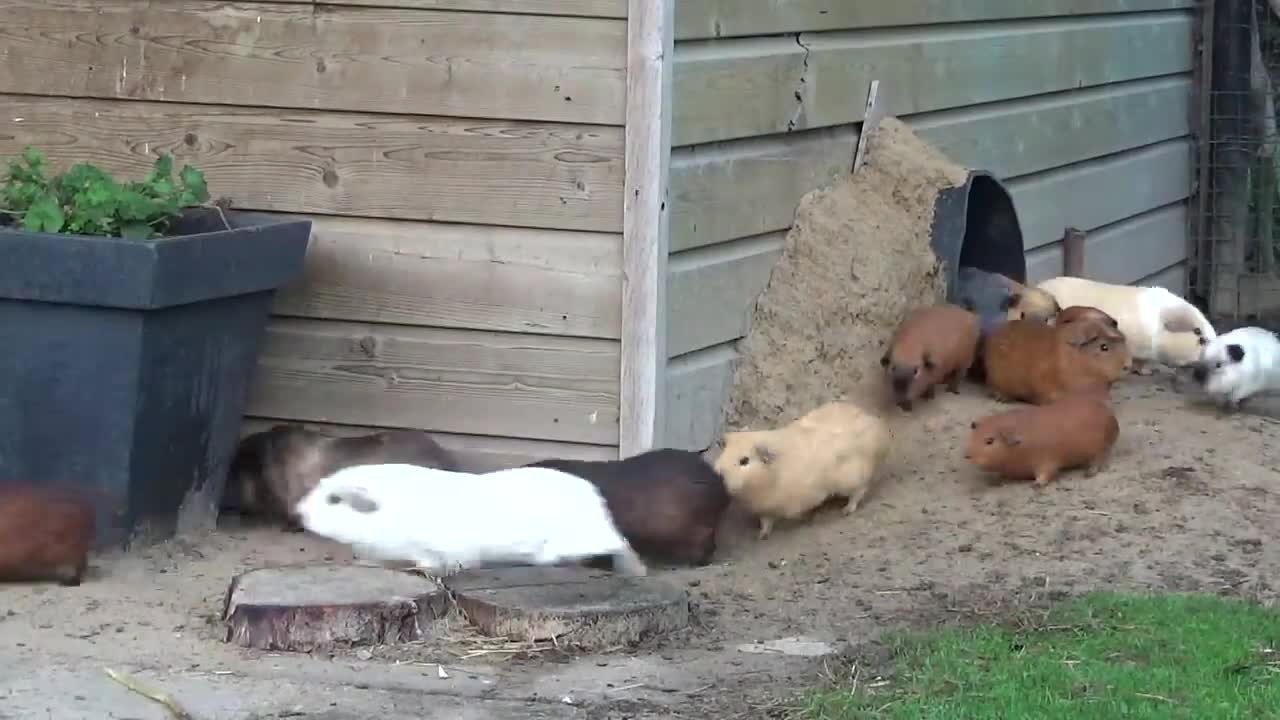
1030	361
45	534
1036	443
1077	313
273	469
667	503
932	345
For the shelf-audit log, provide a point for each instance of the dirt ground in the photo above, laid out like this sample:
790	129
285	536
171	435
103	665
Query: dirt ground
1186	503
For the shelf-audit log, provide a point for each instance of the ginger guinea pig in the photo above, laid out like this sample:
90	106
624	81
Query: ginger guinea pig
932	345
835	450
667	503
1077	313
1037	443
1033	362
45	534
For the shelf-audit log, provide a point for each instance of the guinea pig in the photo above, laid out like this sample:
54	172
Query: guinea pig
835	450
932	345
1158	325
442	521
45	534
667	503
986	294
1077	313
1037	443
1033	362
274	468
1239	364
1030	303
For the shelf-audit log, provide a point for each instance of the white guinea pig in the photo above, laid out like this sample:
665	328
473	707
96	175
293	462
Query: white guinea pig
1239	364
443	521
1157	324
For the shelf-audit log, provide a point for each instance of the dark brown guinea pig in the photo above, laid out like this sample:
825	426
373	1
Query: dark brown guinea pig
1036	443
1077	313
45	534
667	503
274	469
932	345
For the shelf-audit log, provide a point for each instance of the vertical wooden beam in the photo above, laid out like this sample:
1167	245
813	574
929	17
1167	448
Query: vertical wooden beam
1073	252
645	222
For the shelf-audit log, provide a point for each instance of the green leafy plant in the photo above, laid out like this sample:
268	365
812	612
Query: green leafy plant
87	200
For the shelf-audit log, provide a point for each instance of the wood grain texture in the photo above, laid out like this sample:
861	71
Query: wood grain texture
749	187
369	59
475	453
460	276
1018	138
761	86
458	381
731	190
1102	191
581	8
489	172
697	385
712	291
736	18
1123	252
646	223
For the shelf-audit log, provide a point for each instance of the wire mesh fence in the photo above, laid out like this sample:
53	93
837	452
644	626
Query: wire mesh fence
1235	208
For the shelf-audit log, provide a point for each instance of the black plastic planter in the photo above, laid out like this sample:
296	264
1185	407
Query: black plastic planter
124	364
975	225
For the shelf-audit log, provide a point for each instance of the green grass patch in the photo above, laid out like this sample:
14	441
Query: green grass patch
1105	656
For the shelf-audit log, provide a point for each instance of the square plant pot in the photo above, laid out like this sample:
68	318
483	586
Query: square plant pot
126	363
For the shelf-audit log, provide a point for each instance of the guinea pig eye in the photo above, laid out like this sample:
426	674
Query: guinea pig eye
1198	331
1103	347
333	499
991	441
744	461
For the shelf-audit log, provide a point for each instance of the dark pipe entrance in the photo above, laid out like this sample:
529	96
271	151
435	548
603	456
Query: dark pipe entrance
975	225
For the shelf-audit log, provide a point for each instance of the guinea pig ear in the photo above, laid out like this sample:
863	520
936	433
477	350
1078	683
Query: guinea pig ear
765	453
1009	438
1235	352
1010	300
358	501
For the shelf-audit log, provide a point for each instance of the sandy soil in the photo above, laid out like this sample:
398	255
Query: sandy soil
1184	504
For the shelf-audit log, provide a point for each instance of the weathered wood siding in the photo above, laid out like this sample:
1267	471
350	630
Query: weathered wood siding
463	163
1081	105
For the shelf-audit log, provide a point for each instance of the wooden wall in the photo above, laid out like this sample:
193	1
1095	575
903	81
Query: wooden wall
1081	105
463	164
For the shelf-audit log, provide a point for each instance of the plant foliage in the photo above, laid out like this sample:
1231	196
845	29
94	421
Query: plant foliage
86	200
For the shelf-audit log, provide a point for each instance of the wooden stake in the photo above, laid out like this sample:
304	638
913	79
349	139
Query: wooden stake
1073	252
871	118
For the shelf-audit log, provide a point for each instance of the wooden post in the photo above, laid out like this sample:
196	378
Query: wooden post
871	118
645	221
1073	252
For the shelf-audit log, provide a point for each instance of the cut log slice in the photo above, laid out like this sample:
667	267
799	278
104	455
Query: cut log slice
576	606
303	608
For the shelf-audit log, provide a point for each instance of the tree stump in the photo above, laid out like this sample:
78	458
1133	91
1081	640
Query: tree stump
576	606
317	607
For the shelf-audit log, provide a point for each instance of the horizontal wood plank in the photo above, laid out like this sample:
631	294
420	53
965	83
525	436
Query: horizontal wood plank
475	453
1124	252
1022	137
762	86
736	18
749	187
458	381
489	172
334	58
711	292
580	8
731	190
697	386
460	276
1172	278
1101	191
